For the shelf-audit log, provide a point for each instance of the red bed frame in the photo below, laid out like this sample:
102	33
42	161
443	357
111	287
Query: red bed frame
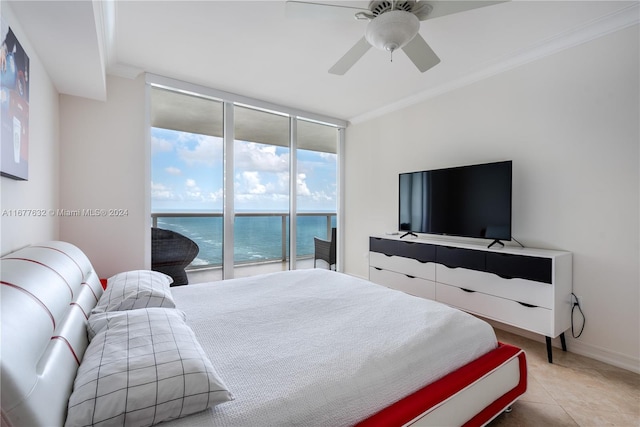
414	407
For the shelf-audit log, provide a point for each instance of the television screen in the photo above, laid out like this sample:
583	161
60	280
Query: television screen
468	201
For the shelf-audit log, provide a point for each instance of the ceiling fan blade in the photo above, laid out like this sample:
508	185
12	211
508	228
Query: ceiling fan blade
449	7
421	54
351	57
313	10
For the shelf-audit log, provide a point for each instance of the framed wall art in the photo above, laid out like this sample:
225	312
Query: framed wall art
14	106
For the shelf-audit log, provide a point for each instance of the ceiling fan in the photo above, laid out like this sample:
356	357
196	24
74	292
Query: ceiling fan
393	24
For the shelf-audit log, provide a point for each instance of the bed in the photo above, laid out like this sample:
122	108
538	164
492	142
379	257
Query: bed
311	347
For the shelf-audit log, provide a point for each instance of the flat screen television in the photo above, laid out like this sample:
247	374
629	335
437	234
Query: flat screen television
467	201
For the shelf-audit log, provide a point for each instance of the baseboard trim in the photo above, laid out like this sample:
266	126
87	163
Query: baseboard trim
578	347
604	355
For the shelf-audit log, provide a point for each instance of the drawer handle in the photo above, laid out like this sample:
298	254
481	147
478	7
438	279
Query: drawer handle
388	255
378	268
467	290
410	277
526	305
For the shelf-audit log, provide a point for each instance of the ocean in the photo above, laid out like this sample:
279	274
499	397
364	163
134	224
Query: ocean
257	238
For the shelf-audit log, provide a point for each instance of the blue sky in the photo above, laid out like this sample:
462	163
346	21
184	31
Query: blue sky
186	175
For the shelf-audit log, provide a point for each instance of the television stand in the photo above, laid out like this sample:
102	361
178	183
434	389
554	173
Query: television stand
497	241
526	288
409	233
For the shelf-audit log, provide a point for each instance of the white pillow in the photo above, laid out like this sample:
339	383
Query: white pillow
143	367
136	289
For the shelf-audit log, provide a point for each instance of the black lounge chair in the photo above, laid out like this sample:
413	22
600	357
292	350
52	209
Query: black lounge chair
325	250
171	252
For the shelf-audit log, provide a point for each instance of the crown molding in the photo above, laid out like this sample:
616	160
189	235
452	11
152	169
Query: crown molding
105	13
124	70
584	33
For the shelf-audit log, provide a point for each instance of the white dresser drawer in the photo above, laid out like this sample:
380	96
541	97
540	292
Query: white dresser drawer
536	319
401	282
524	287
526	291
403	265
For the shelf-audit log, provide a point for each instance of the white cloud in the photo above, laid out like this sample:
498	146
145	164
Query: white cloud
200	149
251	183
329	157
260	157
161	192
322	196
302	188
218	195
243	197
192	191
283	183
281	200
160	145
171	170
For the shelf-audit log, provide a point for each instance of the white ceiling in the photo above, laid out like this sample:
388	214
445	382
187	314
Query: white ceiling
254	49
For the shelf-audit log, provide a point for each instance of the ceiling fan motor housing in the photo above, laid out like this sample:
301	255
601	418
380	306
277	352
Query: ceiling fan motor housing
392	30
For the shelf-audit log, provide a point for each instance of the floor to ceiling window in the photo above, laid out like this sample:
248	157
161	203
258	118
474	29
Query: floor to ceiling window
316	186
187	170
240	178
261	186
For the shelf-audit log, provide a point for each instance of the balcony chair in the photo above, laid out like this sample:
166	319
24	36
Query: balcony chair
325	250
171	252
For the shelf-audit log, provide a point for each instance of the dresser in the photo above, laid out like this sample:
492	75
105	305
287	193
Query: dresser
523	287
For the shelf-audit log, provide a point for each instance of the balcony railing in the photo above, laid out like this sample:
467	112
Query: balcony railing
259	236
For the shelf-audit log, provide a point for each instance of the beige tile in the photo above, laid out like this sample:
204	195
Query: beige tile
586	388
573	389
530	414
587	417
536	393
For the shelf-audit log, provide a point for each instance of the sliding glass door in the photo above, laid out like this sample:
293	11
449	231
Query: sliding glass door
187	170
261	190
316	189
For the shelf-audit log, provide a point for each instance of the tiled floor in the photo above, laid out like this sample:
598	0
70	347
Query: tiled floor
573	391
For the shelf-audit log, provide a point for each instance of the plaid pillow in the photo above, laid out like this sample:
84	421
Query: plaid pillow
142	367
136	289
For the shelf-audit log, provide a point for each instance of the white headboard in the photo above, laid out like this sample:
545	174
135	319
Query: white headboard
47	291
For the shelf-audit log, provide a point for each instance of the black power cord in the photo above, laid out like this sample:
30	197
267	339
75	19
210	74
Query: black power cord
576	303
515	240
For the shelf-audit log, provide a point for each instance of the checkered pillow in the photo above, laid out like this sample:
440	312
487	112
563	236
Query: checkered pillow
136	289
142	367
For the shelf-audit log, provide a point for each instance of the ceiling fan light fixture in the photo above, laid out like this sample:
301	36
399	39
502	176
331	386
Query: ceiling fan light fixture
392	30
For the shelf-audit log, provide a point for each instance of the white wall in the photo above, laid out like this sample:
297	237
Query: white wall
570	123
42	189
103	164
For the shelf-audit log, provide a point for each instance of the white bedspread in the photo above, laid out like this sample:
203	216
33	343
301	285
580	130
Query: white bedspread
319	348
